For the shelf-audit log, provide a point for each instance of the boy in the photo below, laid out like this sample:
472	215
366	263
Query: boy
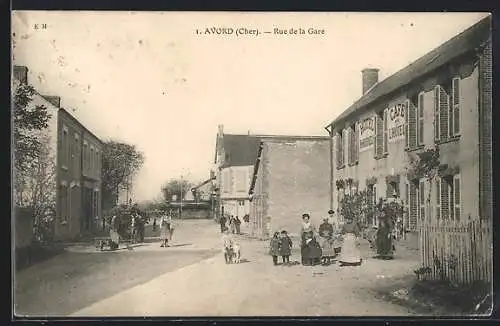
285	247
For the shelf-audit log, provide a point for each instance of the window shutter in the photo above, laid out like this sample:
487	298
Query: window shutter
443	113
421	193
343	147
379	137
351	145
438	198
456	106
388	189
413	203
412	128
444	200
420	126
437	119
356	142
458	203
407	125
386	133
338	145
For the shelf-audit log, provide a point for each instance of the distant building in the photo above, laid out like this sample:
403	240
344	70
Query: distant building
442	99
77	155
233	167
289	178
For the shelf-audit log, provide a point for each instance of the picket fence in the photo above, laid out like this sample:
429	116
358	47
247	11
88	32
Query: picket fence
459	252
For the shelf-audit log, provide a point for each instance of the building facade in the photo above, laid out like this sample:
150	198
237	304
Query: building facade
233	168
75	154
288	180
442	100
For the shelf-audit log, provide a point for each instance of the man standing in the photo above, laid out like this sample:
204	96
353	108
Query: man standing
222	223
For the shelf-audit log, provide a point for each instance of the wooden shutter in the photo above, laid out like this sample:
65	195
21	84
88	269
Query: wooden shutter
438	198
386	132
457	194
374	203
437	119
456	106
352	145
412	126
443	113
412	220
420	125
407	125
379	136
338	146
356	142
388	189
421	195
444	200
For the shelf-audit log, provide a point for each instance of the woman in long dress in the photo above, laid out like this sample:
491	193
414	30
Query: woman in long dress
326	241
384	240
350	254
113	233
165	229
307	233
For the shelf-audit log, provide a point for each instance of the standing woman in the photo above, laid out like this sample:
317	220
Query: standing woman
307	232
113	233
326	241
384	239
165	224
350	254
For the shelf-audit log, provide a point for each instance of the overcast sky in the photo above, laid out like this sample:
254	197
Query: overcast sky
148	79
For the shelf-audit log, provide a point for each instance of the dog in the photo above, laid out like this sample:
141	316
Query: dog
236	253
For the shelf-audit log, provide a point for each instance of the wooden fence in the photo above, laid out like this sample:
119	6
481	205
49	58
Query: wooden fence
460	252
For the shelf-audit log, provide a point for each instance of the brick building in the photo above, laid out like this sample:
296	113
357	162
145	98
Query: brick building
442	99
288	180
76	155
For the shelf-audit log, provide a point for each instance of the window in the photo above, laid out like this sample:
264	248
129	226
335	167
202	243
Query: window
457	197
406	204
63	203
241	202
85	155
353	145
240	181
413	204
420	125
386	131
438	198
455	130
421	201
373	194
226	181
340	150
379	134
64	147
441	113
91	161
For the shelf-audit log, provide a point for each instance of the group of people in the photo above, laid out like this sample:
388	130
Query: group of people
234	224
320	246
281	245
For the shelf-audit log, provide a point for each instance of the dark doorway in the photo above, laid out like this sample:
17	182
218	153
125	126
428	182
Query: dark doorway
87	209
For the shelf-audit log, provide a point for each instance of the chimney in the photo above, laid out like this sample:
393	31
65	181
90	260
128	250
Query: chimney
21	74
55	100
221	130
370	78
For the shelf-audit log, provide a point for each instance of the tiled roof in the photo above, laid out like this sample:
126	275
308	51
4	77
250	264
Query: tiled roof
240	150
457	46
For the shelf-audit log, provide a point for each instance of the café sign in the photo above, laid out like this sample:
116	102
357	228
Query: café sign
366	133
396	122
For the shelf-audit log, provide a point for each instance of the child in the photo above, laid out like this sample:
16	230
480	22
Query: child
285	247
227	243
274	247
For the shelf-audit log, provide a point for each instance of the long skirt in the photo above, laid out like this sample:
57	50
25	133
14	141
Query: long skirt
327	247
350	253
165	233
115	237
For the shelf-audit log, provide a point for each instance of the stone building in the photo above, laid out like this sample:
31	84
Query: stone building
289	179
442	99
233	167
75	153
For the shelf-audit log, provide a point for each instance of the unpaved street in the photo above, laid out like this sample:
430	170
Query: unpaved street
257	288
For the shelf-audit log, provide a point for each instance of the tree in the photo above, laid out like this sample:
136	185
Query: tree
120	163
175	187
28	121
357	206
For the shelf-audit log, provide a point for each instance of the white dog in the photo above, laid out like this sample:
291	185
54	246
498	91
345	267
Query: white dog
236	253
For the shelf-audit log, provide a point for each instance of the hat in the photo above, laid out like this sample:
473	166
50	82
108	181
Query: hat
331	211
305	215
283	232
